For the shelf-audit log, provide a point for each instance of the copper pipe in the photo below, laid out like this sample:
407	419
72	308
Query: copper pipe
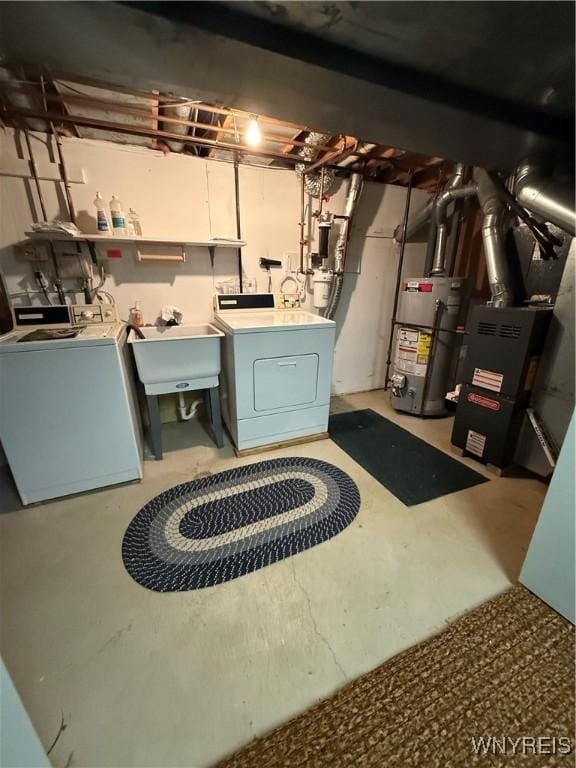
106	125
322	174
302	224
65	177
57	280
63	171
35	174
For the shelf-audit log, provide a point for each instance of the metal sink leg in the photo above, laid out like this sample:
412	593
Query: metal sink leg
155	426
212	402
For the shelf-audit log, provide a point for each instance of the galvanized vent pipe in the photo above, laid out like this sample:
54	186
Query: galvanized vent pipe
352	198
494	211
420	217
551	200
415	223
441	225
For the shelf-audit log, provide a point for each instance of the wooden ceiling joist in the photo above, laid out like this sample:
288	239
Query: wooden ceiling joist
216	130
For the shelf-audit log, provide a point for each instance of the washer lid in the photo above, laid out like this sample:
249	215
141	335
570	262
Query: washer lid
95	335
277	320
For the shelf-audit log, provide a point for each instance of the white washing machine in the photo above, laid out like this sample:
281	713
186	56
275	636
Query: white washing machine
68	418
276	368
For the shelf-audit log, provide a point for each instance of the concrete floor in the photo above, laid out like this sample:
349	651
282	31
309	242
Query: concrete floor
148	679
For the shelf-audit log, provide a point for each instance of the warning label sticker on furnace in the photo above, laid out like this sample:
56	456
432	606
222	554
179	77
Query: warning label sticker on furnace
488	379
412	352
475	443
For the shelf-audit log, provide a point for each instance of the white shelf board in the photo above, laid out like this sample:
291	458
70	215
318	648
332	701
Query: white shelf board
134	240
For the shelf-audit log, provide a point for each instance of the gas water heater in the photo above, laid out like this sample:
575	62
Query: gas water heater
428	312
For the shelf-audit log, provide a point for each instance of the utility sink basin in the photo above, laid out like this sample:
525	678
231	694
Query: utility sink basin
177	358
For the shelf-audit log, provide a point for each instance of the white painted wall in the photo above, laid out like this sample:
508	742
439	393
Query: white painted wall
183	196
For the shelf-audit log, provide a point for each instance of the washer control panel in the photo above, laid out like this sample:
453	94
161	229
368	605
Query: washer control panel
90	314
251	301
65	315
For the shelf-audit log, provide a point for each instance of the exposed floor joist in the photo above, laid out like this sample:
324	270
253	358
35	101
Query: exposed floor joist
182	124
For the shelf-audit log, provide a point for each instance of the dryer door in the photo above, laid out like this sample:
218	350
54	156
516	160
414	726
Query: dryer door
281	382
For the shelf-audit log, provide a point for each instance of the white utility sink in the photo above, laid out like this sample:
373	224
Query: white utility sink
177	358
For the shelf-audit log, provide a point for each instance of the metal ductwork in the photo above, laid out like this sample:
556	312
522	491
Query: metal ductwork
551	200
420	217
415	221
352	198
494	212
441	224
313	183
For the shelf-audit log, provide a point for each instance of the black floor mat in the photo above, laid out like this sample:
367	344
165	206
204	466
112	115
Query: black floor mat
408	467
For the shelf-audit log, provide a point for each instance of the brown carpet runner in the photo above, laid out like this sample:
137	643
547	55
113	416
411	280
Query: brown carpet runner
496	688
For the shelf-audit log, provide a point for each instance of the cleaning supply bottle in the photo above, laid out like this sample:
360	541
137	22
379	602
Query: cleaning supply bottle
136	315
101	214
134	226
118	217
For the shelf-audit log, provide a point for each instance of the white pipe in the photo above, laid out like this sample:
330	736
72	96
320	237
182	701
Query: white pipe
186	415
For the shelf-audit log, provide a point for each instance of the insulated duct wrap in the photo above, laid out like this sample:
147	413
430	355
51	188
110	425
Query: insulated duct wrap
313	181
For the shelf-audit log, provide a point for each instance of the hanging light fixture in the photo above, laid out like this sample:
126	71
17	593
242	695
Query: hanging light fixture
253	135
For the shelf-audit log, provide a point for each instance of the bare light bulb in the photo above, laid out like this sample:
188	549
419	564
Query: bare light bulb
253	135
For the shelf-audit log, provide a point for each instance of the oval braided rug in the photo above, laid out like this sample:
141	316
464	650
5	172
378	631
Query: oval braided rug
217	528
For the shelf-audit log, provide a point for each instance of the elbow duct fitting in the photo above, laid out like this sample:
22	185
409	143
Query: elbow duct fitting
420	217
494	211
550	200
441	226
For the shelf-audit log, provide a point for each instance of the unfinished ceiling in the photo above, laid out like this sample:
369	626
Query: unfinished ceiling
168	123
479	82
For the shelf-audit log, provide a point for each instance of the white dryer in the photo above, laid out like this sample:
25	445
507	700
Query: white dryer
276	368
68	421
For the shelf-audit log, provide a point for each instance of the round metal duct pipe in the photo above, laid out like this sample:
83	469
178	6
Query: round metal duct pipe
494	210
551	200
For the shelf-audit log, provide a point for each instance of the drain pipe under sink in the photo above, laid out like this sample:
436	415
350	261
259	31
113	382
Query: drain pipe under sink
186	414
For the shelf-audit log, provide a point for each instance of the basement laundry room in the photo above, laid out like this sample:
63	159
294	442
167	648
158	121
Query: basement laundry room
286	399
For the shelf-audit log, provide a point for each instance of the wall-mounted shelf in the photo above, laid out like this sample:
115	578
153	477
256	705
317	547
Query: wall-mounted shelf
135	240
